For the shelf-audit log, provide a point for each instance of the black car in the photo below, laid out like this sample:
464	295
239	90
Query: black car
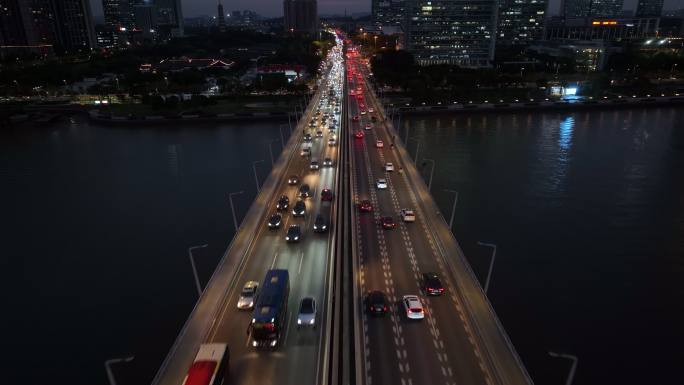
307	137
274	221
299	208
320	224
432	284
294	233
292	180
327	162
283	203
376	303
304	191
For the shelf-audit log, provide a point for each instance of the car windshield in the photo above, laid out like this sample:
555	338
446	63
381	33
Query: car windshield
307	306
247	291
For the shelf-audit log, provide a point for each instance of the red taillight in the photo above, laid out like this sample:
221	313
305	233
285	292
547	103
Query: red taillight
384	308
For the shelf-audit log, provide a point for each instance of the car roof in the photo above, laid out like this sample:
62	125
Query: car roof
250	284
412	299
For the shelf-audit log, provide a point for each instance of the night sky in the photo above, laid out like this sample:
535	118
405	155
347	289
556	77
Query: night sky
275	8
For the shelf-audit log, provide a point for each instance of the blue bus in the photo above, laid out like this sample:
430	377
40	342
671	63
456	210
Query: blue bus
270	311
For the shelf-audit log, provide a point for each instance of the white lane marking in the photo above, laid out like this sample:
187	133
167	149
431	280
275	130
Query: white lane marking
275	256
301	259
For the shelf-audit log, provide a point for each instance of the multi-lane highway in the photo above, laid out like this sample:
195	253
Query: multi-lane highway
444	347
299	357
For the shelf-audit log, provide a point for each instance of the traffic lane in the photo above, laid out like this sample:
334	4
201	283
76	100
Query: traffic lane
380	334
424	353
460	342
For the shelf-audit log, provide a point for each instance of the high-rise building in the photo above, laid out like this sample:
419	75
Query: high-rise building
118	14
145	19
520	21
458	32
221	17
649	8
170	16
389	12
74	25
591	8
301	16
12	26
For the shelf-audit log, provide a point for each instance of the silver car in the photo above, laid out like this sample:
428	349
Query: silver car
307	313
248	295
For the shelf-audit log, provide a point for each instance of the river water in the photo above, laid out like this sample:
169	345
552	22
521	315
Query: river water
587	210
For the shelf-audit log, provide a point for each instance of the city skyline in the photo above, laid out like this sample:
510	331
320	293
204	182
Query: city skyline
274	8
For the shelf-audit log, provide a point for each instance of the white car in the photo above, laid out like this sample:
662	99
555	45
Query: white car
389	166
248	295
407	215
381	183
413	307
379	143
307	313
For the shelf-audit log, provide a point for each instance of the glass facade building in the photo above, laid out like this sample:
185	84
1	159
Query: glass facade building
460	32
520	21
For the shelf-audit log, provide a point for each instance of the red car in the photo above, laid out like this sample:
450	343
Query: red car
365	206
388	223
326	195
359	135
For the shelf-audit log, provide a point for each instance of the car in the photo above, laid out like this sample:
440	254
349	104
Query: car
413	307
365	206
371	110
389	166
359	134
332	127
368	126
379	143
307	313
363	112
381	183
304	190
312	123
294	232
306	151
307	137
320	224
313	165
376	303
407	215
355	118
293	179
319	134
388	223
327	162
326	194
432	284
274	221
299	208
332	141
248	295
283	203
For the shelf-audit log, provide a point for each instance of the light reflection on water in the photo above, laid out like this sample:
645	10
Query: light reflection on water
589	208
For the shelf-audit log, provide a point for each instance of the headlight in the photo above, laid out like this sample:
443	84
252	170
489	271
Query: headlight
251	303
274	342
254	343
287	237
299	322
296	238
312	321
324	227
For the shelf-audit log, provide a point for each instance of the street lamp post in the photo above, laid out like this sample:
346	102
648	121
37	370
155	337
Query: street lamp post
491	263
232	208
108	367
432	172
282	137
194	268
270	150
256	178
573	367
417	139
672	70
453	208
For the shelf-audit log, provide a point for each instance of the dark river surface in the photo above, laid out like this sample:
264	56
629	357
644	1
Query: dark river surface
587	211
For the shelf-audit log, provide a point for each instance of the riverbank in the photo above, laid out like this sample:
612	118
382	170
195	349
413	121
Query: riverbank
109	119
544	105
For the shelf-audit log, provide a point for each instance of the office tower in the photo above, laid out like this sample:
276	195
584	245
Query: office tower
221	17
389	12
520	21
170	16
458	32
591	8
118	14
74	25
301	16
145	19
649	8
12	30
